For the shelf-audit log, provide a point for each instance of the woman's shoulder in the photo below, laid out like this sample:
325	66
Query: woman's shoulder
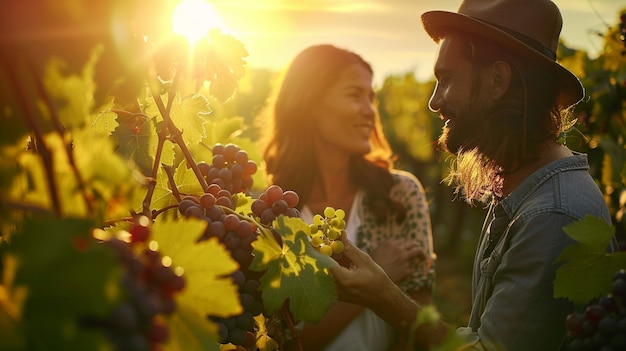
405	182
402	176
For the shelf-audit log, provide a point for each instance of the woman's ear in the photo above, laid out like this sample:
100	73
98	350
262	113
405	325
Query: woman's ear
501	78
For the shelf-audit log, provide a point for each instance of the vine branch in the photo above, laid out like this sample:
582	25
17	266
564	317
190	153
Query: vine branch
176	133
59	128
33	123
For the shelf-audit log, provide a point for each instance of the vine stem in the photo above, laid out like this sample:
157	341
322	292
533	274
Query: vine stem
58	126
41	147
162	136
170	177
175	133
284	312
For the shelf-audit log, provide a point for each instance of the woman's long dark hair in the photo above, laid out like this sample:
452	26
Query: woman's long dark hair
290	159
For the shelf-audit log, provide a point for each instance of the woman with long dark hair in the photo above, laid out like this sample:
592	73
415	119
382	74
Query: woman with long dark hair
323	139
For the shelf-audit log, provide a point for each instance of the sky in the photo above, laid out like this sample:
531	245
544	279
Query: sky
387	33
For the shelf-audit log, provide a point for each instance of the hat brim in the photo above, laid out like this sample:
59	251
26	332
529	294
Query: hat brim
437	23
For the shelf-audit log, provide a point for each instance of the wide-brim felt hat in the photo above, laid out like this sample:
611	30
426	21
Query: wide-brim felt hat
529	28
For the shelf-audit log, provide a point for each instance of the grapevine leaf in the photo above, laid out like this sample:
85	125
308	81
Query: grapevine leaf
32	186
71	93
592	232
204	265
191	331
186	180
295	271
188	115
225	129
162	195
588	268
244	204
134	142
105	173
588	277
67	276
225	66
104	121
263	341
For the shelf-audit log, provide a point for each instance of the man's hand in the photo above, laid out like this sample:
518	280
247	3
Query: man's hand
362	280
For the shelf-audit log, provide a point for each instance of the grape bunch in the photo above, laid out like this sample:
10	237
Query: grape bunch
602	324
150	282
326	230
241	329
230	168
274	202
236	233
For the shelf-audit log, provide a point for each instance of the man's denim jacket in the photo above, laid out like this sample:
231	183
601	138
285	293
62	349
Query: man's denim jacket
512	285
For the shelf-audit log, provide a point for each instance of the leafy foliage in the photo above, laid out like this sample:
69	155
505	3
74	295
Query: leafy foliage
97	159
295	271
55	274
108	124
588	269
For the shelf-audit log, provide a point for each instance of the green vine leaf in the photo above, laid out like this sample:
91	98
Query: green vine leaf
188	115
191	331
244	204
67	276
186	182
588	269
31	187
134	142
104	121
208	291
224	64
72	93
105	173
295	271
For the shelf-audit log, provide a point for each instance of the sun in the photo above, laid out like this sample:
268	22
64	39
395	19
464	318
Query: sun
194	18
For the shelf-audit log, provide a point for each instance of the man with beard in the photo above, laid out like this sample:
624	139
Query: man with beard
505	101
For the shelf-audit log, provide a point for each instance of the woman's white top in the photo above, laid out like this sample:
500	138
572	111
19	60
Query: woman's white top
367	331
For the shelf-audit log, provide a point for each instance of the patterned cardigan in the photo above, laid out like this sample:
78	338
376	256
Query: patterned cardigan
409	191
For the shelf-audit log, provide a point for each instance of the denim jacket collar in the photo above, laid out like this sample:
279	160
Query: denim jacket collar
511	203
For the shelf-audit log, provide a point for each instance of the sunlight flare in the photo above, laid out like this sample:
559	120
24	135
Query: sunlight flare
194	18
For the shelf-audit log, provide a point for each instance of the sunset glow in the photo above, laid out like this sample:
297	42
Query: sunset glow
193	18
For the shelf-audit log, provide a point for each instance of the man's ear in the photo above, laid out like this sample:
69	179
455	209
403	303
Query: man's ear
501	78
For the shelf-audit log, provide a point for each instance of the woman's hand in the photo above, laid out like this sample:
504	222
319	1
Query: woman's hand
398	258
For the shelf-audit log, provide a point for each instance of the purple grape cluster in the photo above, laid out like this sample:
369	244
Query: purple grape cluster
602	324
241	329
235	233
138	323
216	207
274	202
230	168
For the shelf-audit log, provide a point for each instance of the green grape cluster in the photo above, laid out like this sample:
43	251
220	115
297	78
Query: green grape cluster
326	231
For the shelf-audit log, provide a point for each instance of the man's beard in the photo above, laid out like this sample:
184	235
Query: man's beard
475	175
464	131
